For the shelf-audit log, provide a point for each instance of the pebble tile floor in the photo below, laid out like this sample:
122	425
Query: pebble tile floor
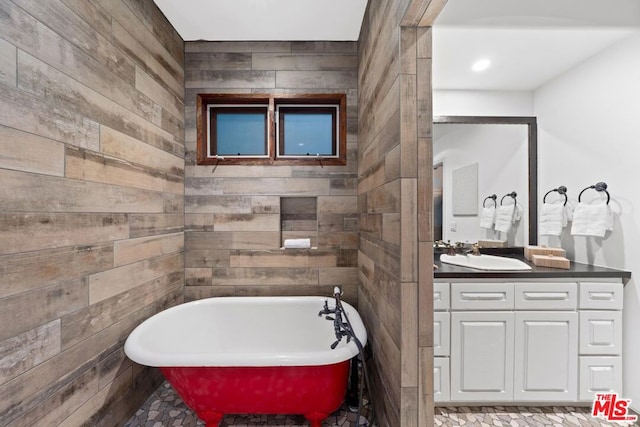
164	408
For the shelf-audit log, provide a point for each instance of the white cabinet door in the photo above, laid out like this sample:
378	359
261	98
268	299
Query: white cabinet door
601	332
441	379
599	374
481	356
441	333
546	356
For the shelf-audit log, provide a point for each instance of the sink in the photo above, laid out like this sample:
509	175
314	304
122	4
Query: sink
485	262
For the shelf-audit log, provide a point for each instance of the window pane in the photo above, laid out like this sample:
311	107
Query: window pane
308	134
241	133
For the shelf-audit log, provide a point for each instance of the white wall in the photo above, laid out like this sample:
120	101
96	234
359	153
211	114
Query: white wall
482	103
501	154
589	131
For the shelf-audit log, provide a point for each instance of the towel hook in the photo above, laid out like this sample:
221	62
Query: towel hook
599	187
513	195
562	190
492	197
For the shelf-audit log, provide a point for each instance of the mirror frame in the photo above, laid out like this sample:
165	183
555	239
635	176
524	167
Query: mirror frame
532	132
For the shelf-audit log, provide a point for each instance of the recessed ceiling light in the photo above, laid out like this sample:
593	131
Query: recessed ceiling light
481	65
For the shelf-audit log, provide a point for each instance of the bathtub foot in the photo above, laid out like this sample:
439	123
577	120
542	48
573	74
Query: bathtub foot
211	418
316	418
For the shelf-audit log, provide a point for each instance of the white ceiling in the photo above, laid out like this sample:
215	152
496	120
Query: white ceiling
251	20
528	41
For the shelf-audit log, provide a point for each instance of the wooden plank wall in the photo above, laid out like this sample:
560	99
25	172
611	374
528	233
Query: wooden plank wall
233	218
91	203
394	203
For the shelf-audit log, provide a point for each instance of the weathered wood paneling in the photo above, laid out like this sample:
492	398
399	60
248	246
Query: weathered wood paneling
22	352
153	64
393	185
31	153
89	166
121	279
283	258
237	216
53	302
124	147
8	55
55	230
24	192
141	225
272	276
81	324
302	62
133	250
230	240
29	113
28	270
91	203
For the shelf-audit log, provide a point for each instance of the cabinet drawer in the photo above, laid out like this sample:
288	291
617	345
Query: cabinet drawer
601	332
441	333
482	296
440	296
546	296
599	374
601	296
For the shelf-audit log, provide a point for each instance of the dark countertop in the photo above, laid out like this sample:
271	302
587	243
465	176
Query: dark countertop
577	270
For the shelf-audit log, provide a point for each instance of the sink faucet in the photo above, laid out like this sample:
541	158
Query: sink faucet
475	250
459	247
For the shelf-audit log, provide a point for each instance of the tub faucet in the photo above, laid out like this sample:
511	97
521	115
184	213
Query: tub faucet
341	328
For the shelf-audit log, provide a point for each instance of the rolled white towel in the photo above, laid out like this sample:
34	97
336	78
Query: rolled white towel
506	215
488	216
552	219
592	220
297	243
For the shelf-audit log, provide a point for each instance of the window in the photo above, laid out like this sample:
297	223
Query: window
307	131
271	129
238	130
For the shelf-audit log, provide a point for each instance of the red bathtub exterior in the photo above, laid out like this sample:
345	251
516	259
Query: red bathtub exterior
314	391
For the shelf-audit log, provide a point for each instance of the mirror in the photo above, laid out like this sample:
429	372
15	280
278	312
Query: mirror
474	158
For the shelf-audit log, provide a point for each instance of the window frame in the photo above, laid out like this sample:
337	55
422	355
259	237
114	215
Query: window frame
337	100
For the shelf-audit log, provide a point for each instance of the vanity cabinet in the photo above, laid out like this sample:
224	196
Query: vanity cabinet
441	342
600	362
528	341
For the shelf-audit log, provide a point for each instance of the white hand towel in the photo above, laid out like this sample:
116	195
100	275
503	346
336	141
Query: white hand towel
552	219
505	217
592	220
297	243
567	214
488	216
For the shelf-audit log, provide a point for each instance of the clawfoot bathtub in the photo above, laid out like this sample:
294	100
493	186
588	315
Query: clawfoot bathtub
250	355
